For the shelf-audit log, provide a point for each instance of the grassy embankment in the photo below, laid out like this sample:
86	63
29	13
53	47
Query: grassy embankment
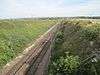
15	35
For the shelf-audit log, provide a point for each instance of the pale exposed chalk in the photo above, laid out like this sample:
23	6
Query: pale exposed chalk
7	64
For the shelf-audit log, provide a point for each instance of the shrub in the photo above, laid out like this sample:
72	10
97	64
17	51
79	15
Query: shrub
89	34
57	45
65	65
59	38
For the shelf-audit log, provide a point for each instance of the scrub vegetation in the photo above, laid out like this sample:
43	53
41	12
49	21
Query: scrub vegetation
77	52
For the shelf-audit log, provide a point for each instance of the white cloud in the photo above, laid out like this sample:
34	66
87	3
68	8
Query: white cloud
40	8
91	8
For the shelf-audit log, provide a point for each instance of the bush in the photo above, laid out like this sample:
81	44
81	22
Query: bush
65	65
59	38
89	34
57	45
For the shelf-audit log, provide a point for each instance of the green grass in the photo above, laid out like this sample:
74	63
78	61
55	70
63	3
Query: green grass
15	35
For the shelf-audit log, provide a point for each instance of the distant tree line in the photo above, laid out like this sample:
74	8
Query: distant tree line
78	17
53	18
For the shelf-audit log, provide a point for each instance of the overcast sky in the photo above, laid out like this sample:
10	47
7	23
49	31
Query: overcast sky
48	8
